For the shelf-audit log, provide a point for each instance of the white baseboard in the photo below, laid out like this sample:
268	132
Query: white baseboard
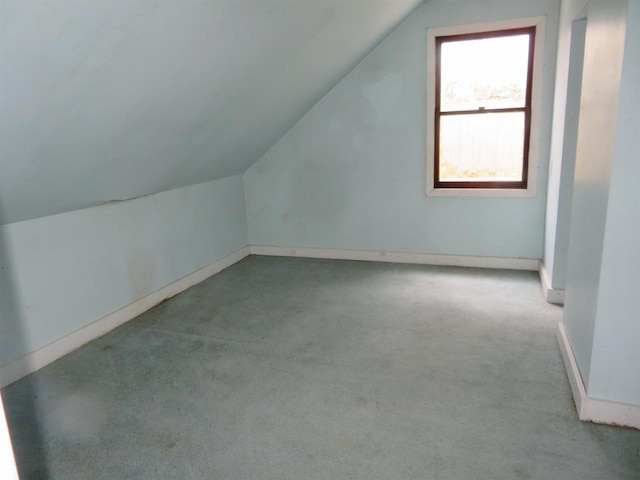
396	257
551	295
33	361
594	409
571	366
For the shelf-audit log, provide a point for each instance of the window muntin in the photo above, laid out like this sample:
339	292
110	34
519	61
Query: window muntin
483	109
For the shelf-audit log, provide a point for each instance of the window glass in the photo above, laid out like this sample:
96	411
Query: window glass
483	109
486	147
488	73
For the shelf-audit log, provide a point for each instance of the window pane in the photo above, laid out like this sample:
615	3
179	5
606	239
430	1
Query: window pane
481	147
489	73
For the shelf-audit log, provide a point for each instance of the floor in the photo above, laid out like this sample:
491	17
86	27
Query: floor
284	368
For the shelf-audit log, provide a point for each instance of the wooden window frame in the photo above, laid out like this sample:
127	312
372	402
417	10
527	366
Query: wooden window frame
537	133
526	109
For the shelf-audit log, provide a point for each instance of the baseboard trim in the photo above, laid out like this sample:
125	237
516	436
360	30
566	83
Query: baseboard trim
397	257
33	361
551	295
571	366
594	409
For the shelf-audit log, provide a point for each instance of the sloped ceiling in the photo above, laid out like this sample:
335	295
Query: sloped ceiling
110	100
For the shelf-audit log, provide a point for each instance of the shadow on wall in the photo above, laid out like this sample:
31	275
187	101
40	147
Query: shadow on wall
20	399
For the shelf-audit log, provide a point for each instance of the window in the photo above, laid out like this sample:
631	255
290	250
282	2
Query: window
482	107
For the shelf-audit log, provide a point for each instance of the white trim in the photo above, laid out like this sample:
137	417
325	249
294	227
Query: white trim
594	409
551	295
397	257
536	102
33	361
571	366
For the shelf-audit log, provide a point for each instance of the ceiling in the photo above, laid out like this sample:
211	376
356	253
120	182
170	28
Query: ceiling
110	100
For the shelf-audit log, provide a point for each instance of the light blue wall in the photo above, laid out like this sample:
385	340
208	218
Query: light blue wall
567	169
63	272
597	132
566	109
351	173
615	363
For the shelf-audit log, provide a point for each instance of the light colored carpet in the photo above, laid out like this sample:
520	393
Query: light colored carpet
283	368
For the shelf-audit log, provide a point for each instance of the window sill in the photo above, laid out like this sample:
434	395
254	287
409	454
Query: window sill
481	192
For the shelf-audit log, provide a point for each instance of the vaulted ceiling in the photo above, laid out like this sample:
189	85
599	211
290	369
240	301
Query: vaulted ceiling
111	100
